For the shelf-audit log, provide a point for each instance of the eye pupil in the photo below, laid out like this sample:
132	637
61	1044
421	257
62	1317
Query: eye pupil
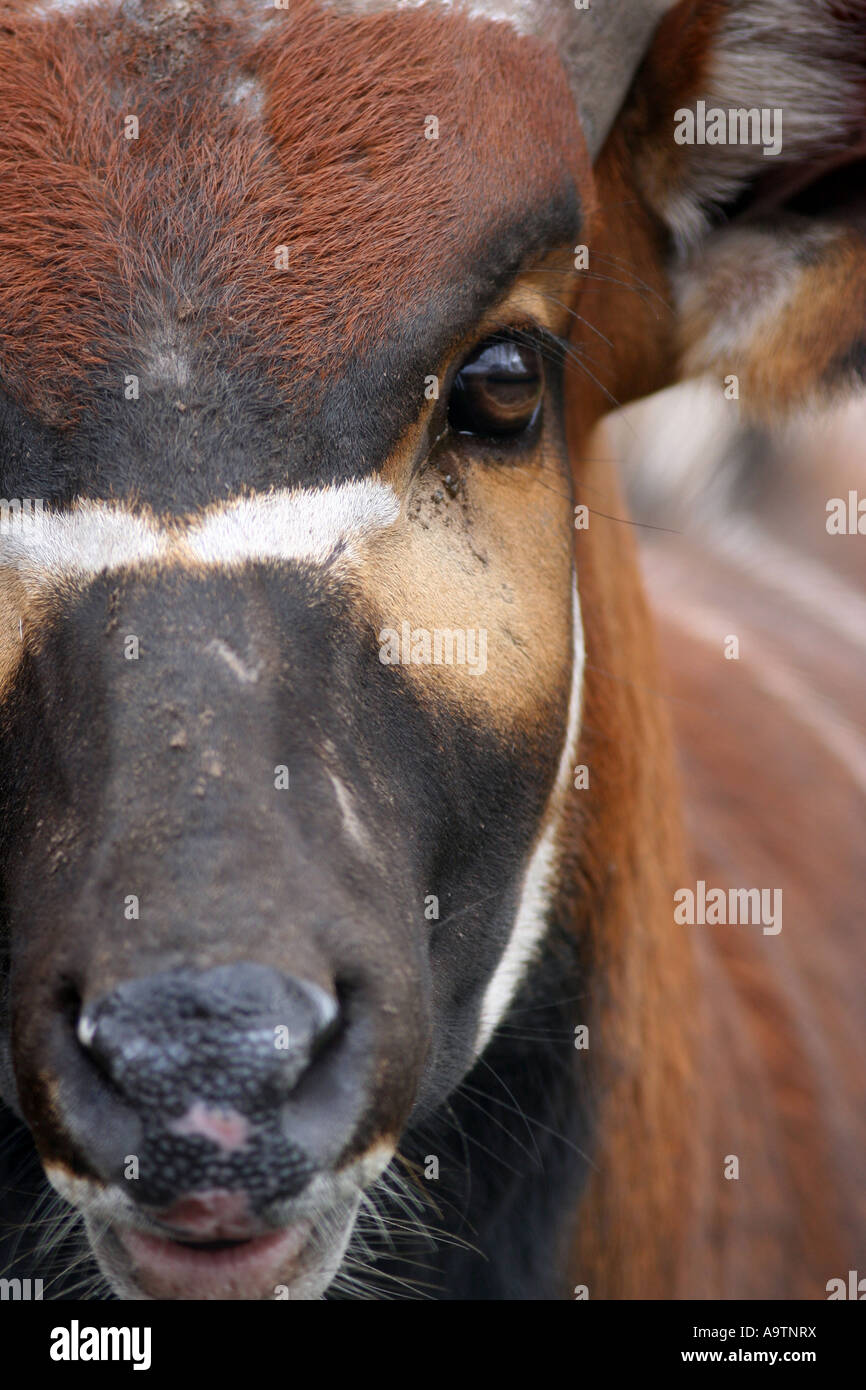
498	390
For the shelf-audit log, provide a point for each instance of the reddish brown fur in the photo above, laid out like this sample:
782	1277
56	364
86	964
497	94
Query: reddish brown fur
102	238
673	75
712	1041
627	864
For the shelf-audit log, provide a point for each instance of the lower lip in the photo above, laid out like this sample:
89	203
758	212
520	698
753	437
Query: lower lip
252	1270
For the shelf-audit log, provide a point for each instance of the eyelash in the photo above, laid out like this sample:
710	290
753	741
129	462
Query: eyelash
531	335
550	348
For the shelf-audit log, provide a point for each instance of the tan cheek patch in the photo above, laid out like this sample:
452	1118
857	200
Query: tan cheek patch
481	557
16	613
29	604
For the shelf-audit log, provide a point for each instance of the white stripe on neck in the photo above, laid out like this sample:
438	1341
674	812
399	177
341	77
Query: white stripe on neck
539	879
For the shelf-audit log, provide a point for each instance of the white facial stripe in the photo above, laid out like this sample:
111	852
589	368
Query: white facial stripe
530	922
63	6
520	14
96	536
296	524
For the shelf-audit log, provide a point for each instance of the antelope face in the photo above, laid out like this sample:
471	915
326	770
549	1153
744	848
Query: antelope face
291	652
292	658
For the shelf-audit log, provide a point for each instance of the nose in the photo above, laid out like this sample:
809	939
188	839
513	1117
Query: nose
210	1051
198	1076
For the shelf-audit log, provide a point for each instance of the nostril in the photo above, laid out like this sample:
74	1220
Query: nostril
67	1002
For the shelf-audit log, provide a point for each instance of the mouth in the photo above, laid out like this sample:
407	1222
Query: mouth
297	1262
256	1268
296	1254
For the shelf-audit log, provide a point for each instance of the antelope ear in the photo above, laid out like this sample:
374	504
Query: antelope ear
600	45
750	120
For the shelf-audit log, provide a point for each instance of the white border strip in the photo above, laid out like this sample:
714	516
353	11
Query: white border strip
312	525
531	920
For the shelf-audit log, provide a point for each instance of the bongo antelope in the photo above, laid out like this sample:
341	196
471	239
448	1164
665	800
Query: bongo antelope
306	315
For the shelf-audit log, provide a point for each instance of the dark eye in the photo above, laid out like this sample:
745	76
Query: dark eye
498	390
